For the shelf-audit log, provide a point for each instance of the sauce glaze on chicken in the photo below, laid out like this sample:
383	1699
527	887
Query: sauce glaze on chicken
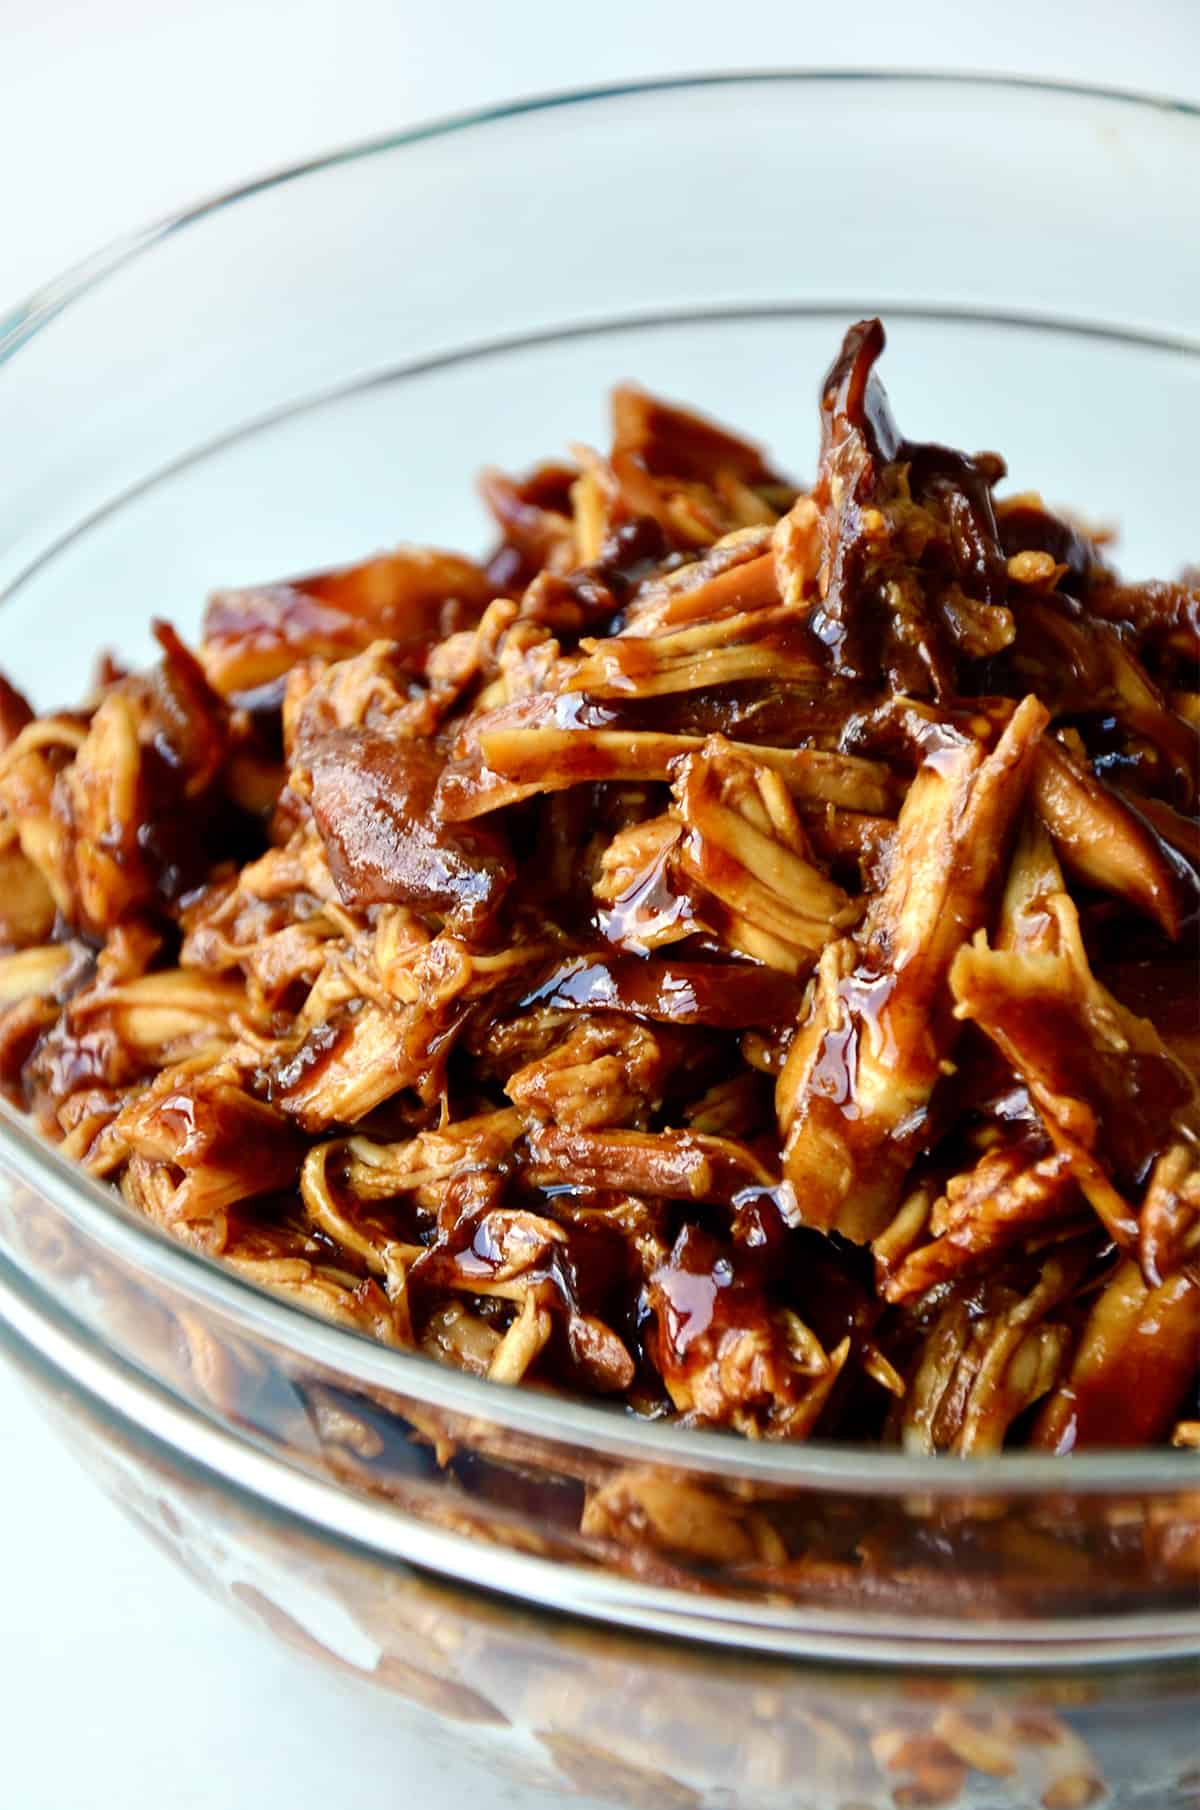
732	953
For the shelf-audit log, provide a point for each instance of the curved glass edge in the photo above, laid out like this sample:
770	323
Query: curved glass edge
29	317
100	1214
35	1331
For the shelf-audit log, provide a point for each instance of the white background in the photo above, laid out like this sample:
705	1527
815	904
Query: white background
120	1685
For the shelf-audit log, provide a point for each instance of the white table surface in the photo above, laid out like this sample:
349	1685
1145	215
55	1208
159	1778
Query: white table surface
111	113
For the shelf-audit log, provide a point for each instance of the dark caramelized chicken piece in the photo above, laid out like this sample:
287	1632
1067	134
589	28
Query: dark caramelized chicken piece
372	802
728	1355
414	597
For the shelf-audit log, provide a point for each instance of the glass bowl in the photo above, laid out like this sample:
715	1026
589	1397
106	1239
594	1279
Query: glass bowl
299	373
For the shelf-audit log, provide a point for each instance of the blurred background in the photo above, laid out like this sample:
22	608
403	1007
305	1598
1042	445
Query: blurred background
121	1685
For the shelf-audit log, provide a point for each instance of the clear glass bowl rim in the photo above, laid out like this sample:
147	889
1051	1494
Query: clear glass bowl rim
99	1214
